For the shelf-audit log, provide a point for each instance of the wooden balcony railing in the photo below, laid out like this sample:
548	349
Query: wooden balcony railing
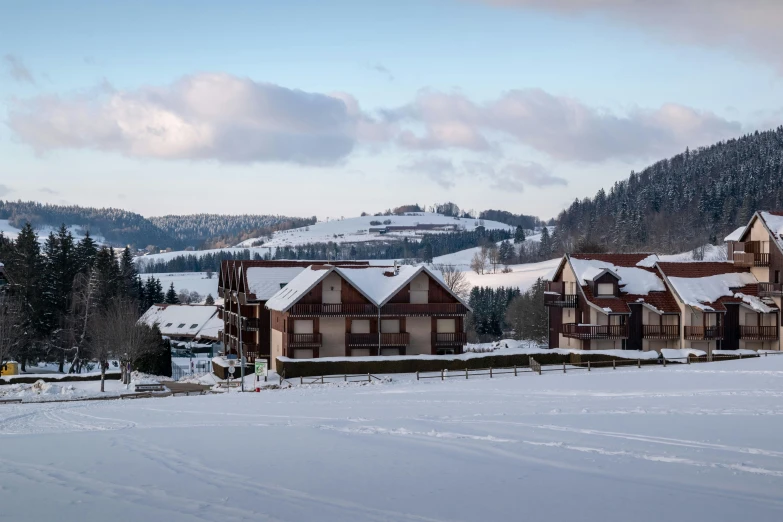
450	339
308	340
428	309
560	300
334	309
252	324
704	333
353	340
592	331
759	333
661	331
751	259
770	289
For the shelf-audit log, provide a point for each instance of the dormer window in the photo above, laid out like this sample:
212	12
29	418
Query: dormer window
605	289
181	325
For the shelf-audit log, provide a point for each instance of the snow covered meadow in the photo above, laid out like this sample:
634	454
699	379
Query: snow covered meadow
686	442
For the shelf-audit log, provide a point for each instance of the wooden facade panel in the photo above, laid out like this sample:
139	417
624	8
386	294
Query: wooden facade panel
438	294
351	295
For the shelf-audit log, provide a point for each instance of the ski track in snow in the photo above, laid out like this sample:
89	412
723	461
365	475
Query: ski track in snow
705	440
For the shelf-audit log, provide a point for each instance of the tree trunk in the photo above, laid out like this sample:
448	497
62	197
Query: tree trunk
103	375
61	365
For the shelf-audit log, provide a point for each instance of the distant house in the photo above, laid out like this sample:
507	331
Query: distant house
191	328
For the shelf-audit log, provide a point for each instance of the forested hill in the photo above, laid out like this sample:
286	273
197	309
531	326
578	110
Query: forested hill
117	226
217	231
685	201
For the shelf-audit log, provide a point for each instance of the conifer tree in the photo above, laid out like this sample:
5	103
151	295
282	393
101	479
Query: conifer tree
128	275
209	300
86	250
171	295
519	235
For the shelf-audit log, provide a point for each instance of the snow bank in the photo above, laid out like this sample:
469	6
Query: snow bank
671	353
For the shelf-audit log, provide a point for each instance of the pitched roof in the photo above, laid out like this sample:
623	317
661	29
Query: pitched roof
615	259
297	287
264	282
177	320
708	286
699	269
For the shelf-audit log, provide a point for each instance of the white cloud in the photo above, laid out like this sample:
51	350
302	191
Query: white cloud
563	128
750	26
17	70
440	170
203	116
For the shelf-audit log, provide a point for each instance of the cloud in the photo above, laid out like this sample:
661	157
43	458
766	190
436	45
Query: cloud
563	128
17	70
5	190
440	170
751	26
47	190
380	69
200	117
516	177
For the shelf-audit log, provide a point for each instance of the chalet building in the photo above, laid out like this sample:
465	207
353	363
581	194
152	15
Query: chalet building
246	286
190	328
641	301
344	311
609	302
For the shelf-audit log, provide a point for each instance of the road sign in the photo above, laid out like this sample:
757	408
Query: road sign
261	367
231	370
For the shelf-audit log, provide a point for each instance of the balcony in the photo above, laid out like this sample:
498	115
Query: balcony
560	300
425	310
309	340
333	309
449	339
367	340
770	289
595	331
704	333
749	254
661	331
759	333
252	324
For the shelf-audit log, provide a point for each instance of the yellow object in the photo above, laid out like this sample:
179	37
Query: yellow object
10	368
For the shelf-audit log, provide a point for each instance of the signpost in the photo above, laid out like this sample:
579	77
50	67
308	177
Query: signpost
231	368
261	369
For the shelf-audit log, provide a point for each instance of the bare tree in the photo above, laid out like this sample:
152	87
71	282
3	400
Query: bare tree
493	254
455	279
210	273
117	334
478	263
194	297
83	310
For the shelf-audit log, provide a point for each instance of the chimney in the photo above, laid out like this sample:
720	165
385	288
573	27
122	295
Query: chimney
396	268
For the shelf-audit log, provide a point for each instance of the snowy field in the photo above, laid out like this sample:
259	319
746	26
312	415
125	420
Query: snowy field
192	281
683	443
43	232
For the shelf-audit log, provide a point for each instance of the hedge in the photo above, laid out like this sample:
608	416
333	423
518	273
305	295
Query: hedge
24	379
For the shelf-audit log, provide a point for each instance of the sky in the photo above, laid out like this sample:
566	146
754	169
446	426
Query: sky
334	108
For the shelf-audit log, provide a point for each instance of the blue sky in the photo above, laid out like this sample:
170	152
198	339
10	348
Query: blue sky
331	109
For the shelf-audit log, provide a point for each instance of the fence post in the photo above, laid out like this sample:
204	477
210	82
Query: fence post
490	372
588	365
345	378
441	375
515	370
564	370
322	379
664	362
417	376
614	366
639	363
466	373
740	355
369	379
688	358
301	380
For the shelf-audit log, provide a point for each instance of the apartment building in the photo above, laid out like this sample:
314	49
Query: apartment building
650	302
345	311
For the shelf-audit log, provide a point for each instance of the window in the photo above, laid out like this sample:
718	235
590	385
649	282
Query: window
282	285
181	325
605	289
192	326
169	324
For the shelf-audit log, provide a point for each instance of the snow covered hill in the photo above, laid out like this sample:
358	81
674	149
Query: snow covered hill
43	232
358	229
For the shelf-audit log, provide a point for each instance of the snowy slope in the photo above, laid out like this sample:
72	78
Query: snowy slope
681	443
521	276
192	281
357	229
43	232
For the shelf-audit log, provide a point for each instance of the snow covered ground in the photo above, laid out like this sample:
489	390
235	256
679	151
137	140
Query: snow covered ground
521	276
682	443
192	281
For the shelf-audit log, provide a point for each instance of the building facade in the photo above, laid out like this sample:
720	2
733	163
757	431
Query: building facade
349	311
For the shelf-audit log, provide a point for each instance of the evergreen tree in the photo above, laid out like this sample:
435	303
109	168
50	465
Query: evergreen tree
209	300
544	247
506	253
108	277
86	251
128	275
171	295
519	235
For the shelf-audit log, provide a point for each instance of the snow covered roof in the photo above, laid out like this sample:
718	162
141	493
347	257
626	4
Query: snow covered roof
377	284
264	282
633	280
704	293
774	222
297	287
211	328
180	320
736	235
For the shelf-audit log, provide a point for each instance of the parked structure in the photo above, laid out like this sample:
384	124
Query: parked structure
331	311
191	328
640	301
246	286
